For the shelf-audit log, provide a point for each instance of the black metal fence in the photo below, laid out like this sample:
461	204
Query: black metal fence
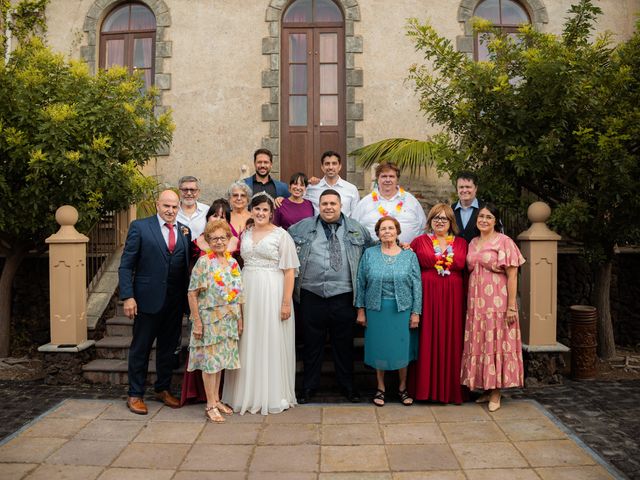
104	240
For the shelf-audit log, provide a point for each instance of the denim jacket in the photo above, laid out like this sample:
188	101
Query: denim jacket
356	239
407	285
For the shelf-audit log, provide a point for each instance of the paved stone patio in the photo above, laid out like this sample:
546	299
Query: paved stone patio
90	439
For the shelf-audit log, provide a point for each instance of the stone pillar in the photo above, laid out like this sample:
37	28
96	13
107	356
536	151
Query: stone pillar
68	282
538	296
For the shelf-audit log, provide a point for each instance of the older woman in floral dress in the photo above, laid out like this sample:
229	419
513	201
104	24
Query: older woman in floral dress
492	355
215	298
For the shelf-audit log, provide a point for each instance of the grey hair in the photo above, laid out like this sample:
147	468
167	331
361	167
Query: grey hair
239	185
188	179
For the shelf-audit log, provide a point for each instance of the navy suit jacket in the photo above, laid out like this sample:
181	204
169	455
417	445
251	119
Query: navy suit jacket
144	266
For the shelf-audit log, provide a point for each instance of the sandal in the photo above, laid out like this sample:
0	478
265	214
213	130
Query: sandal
404	397
213	414
484	398
378	398
224	408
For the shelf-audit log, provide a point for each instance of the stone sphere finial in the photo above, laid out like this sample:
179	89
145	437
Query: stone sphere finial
538	212
66	215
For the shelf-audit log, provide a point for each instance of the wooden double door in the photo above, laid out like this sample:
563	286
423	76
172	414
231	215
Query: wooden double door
312	97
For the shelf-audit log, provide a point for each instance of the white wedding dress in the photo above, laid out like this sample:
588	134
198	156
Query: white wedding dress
265	381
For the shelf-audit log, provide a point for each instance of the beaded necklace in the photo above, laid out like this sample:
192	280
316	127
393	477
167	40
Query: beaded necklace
444	260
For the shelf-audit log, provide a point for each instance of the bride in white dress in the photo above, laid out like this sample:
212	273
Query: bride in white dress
266	378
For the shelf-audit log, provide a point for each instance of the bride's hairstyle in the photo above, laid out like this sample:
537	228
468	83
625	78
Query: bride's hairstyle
257	199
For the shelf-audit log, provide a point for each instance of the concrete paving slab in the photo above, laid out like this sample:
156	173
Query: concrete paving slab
119	411
469	412
218	457
531	429
424	457
114	430
354	459
66	472
549	453
187	475
287	458
290	434
348	414
152	455
438	475
351	434
188	413
16	471
282	476
574	473
79	409
412	433
230	434
29	449
169	432
516	410
417	413
299	414
497	473
136	474
56	427
488	455
355	476
87	452
471	432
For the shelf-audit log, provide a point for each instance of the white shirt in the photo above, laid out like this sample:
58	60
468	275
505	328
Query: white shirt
349	195
411	215
197	221
165	230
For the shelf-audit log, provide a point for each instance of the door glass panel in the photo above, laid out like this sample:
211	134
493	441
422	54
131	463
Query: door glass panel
299	11
142	53
298	79
513	14
114	54
328	47
298	111
327	11
298	47
329	78
328	110
489	9
117	21
142	18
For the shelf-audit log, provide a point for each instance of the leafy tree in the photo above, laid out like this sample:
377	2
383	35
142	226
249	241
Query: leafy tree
554	116
66	137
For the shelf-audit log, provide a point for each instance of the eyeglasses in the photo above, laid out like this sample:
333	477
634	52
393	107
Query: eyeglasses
239	195
440	219
217	239
189	190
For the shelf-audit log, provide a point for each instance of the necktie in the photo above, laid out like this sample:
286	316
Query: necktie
172	237
335	258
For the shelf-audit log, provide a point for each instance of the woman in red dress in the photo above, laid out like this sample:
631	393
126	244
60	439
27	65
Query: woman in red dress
436	374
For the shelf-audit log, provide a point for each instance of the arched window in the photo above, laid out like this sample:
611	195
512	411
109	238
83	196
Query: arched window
312	85
506	15
128	38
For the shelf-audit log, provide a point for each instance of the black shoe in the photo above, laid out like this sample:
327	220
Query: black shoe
305	396
352	395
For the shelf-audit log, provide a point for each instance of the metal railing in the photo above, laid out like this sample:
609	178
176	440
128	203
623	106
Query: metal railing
105	237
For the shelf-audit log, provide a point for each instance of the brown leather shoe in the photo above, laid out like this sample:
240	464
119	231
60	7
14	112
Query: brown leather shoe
168	399
136	405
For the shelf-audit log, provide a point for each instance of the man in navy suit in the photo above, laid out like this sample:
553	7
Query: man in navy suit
154	276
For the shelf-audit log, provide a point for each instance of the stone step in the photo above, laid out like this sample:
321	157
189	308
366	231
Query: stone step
121	326
117	347
114	372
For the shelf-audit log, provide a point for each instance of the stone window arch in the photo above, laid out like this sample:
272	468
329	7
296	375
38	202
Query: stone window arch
353	77
535	9
90	54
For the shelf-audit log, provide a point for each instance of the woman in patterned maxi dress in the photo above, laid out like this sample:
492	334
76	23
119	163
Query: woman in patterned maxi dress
215	298
492	355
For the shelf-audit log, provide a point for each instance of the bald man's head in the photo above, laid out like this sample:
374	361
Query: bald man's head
167	205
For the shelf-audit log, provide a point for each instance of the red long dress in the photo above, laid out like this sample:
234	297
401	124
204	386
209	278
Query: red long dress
436	374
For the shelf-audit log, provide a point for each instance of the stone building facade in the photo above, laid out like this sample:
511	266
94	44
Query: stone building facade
218	66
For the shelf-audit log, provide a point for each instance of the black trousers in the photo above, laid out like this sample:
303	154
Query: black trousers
337	316
164	326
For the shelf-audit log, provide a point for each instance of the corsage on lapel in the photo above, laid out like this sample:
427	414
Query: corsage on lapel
185	231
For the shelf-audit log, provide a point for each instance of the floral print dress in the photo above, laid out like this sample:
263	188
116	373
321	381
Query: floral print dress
219	308
492	356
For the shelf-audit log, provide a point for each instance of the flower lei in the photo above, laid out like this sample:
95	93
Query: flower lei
444	260
383	212
229	293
